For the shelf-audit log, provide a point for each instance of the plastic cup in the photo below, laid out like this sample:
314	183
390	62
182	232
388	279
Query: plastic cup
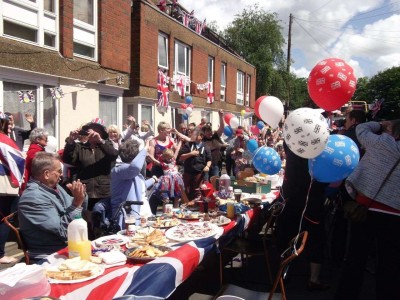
230	210
238	194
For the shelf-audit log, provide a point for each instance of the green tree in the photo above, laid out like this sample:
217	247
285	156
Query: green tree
256	36
386	85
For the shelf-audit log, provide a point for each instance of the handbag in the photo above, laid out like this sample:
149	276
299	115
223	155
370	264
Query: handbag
358	212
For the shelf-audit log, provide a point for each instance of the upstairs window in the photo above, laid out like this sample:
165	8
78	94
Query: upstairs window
162	51
182	66
85	28
223	81
247	99
240	88
31	21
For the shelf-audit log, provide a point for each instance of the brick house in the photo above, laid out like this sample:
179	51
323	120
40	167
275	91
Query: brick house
182	52
105	56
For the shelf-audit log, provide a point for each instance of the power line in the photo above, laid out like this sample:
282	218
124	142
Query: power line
320	7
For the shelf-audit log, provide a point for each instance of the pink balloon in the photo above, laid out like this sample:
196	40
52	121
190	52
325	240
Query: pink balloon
331	83
254	130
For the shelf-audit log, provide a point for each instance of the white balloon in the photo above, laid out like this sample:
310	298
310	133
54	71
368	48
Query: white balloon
306	132
234	122
271	111
189	111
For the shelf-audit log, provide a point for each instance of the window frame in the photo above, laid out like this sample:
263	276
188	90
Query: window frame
84	32
223	81
187	59
240	88
31	15
248	86
166	41
210	74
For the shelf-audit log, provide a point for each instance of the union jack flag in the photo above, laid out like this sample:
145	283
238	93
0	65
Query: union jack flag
12	159
376	107
210	93
162	91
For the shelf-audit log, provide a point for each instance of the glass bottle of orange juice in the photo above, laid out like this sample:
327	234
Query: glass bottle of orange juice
78	242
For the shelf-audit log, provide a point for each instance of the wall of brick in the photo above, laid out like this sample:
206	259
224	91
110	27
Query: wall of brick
66	28
114	34
144	69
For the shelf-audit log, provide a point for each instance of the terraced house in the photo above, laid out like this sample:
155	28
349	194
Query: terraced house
69	61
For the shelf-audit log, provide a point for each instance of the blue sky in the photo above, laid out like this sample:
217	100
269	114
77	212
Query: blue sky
364	33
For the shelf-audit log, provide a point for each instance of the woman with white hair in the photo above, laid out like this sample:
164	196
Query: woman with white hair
38	139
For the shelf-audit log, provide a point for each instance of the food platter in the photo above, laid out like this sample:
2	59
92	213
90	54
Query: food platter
252	201
191	231
146	253
112	240
87	271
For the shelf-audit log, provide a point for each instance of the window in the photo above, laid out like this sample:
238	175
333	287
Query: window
223	81
85	28
146	113
162	51
108	109
210	69
240	88
44	112
34	21
182	64
247	100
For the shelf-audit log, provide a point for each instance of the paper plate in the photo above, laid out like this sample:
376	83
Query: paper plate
191	231
97	270
112	240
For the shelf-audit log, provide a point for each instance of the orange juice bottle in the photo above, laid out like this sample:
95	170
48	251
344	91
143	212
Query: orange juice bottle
78	242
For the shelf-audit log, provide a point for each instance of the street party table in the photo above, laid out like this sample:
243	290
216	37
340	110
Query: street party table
156	279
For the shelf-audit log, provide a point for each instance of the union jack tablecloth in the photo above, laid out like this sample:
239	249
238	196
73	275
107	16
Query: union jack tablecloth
157	279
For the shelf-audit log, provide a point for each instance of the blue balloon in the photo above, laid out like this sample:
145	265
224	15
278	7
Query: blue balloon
252	145
337	161
188	100
266	160
260	125
185	117
228	131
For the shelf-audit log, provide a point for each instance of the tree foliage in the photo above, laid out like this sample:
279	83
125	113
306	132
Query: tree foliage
256	36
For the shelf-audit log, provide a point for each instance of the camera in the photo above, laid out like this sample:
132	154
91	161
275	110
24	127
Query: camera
84	131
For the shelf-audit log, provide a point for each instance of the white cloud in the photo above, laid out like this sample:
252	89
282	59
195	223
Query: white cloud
363	33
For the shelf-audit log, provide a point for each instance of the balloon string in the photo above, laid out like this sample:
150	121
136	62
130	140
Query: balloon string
304	210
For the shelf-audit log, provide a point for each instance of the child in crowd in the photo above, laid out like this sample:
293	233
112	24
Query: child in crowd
170	185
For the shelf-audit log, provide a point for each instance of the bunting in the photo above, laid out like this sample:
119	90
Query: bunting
56	93
210	93
376	107
26	96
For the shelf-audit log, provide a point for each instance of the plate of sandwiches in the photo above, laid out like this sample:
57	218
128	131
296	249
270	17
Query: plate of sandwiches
146	252
165	223
73	270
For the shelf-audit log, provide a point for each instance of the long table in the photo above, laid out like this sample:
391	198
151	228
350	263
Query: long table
156	279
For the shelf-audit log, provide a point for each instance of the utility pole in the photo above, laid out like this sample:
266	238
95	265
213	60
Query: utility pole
288	59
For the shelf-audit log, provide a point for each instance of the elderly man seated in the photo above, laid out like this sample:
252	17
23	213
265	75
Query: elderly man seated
45	209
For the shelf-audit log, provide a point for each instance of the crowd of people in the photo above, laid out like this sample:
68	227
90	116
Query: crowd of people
101	167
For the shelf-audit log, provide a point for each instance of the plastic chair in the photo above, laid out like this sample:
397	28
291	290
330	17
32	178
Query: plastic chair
250	247
12	221
296	247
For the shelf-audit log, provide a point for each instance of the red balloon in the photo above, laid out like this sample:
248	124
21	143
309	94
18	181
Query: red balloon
183	106
257	105
331	83
228	117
